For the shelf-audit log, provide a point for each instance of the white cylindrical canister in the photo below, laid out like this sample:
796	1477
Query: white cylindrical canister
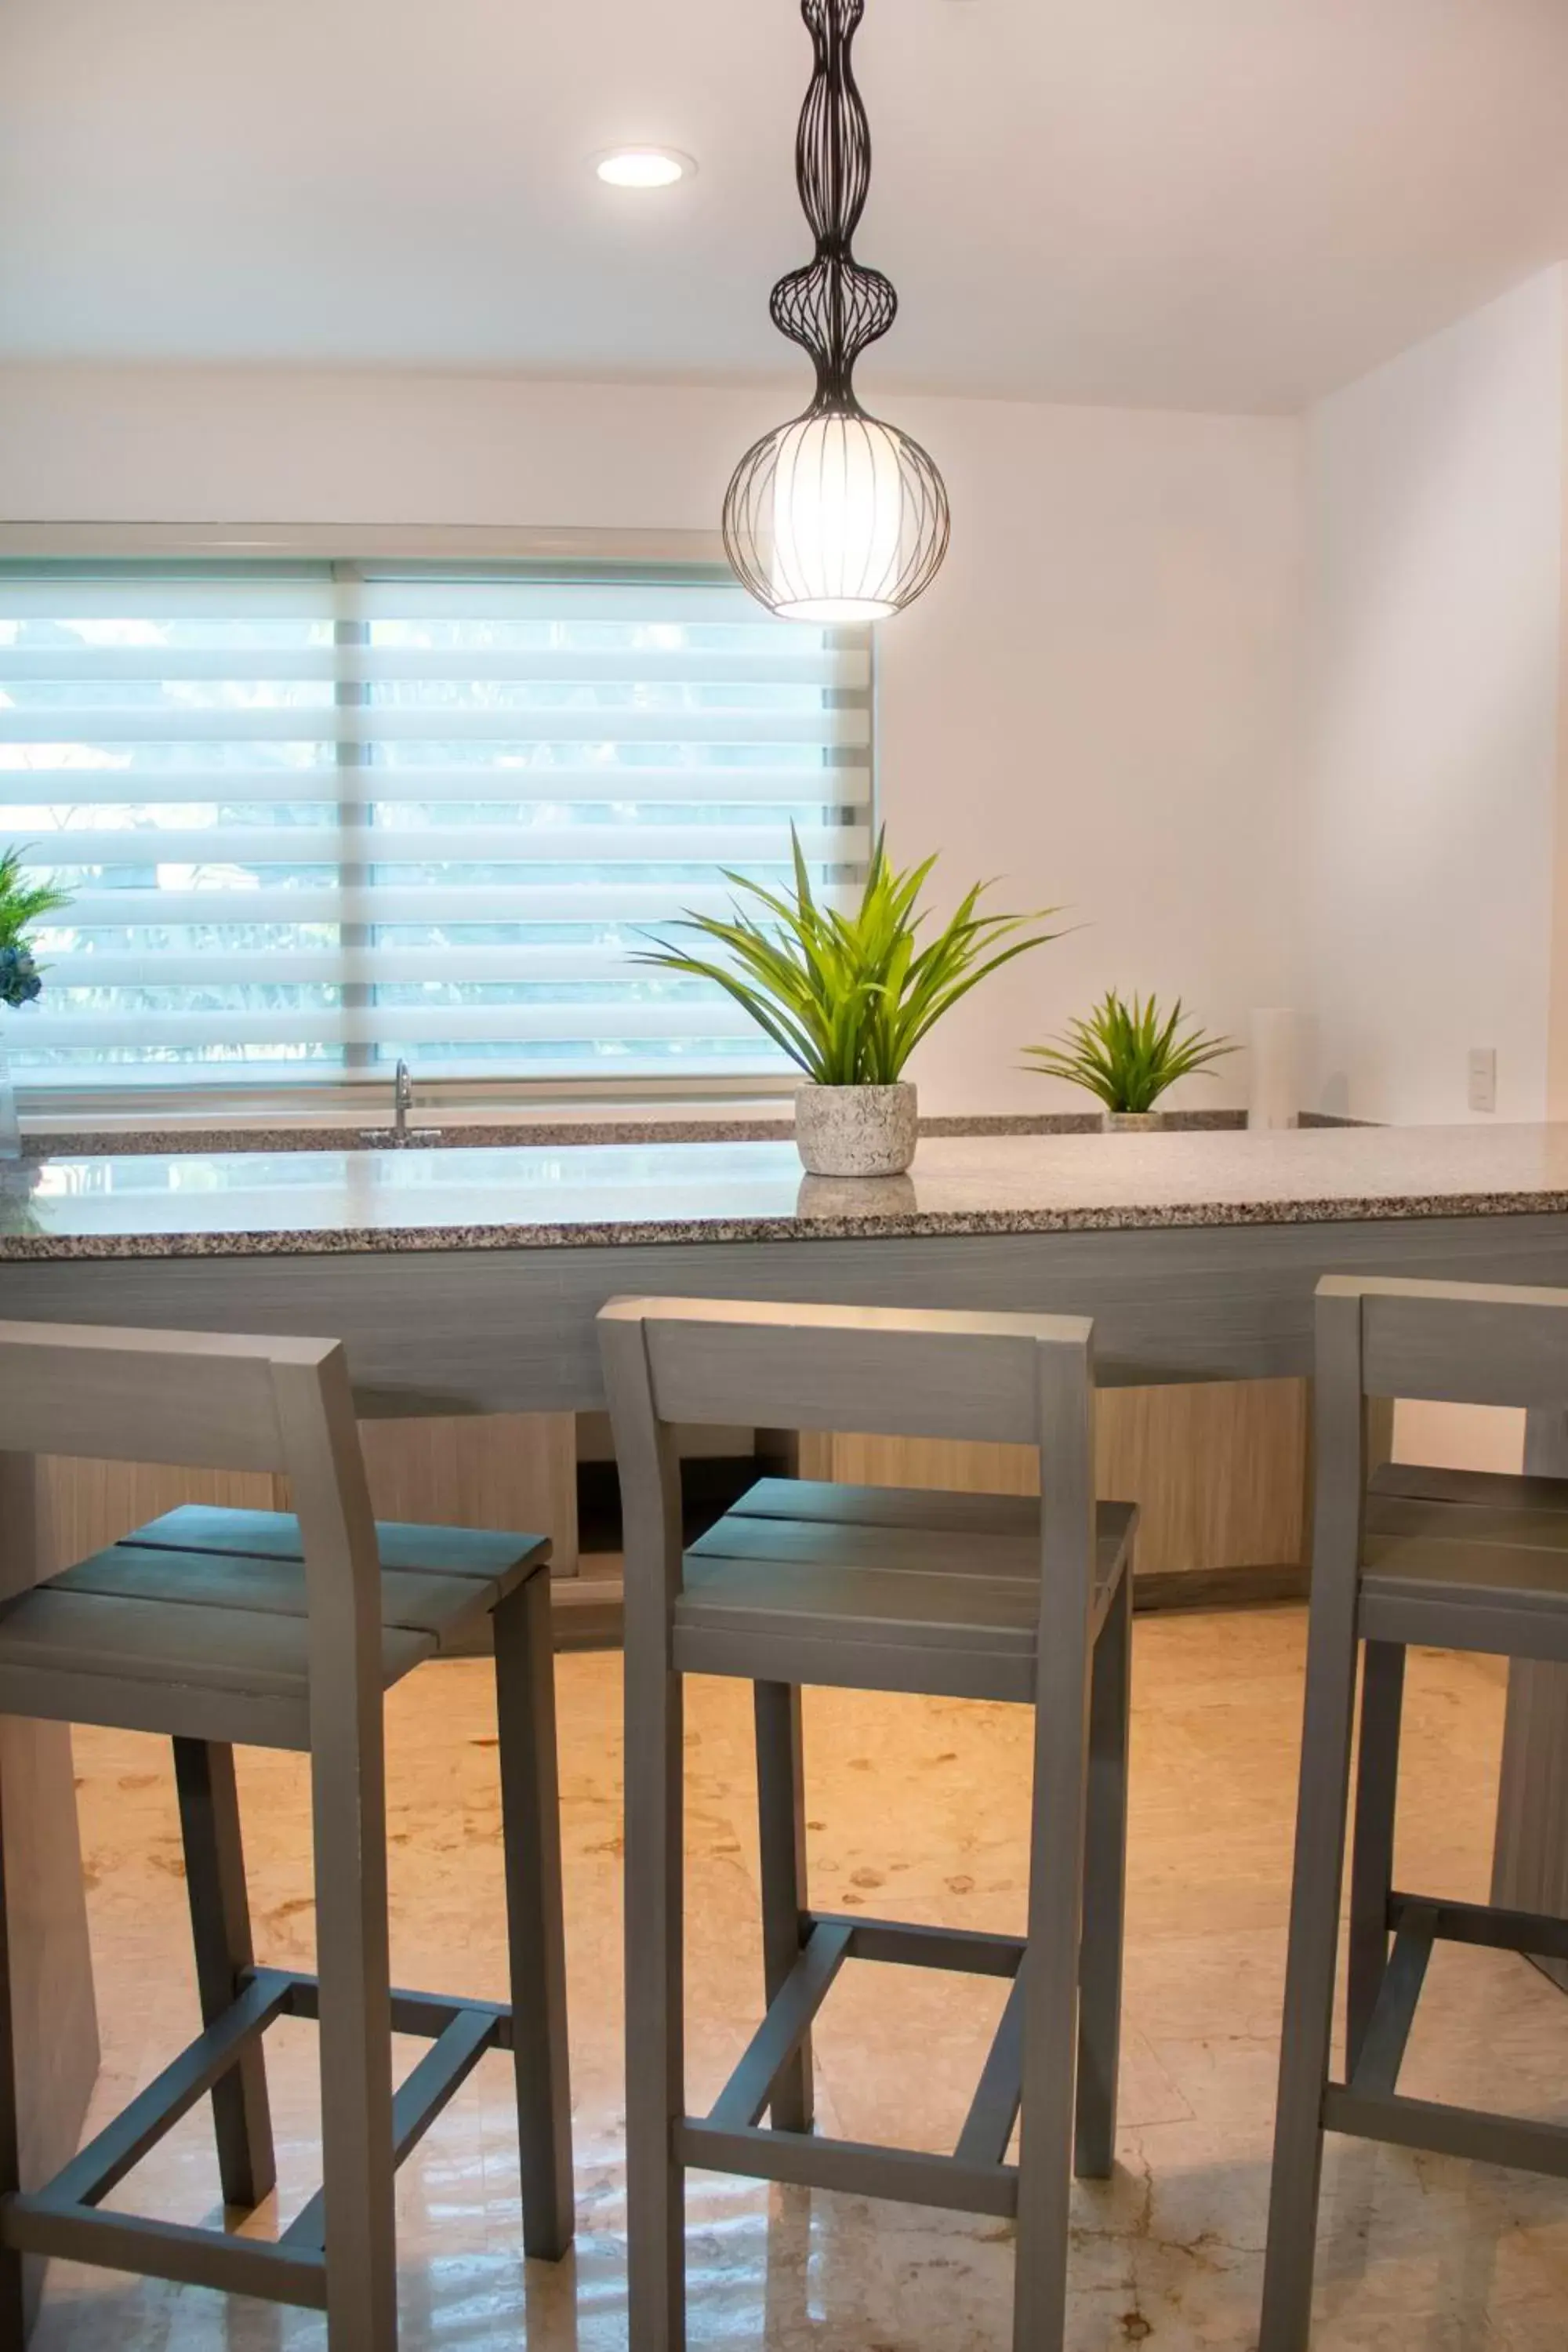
1274	1086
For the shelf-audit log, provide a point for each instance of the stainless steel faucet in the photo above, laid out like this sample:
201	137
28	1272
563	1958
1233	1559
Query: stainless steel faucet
402	1100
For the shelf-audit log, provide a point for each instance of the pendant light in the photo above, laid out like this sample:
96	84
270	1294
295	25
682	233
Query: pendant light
835	517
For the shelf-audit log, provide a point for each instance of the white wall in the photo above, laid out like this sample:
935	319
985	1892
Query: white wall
1098	704
1432	663
1094	702
1433	605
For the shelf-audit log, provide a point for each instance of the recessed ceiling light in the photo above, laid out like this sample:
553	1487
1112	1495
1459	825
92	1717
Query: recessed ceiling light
643	167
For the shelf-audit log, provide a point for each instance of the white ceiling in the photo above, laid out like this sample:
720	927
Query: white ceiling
1219	203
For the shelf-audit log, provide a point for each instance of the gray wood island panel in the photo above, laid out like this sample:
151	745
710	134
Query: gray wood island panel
467	1281
451	1330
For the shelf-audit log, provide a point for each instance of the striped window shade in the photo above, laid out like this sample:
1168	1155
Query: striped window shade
315	817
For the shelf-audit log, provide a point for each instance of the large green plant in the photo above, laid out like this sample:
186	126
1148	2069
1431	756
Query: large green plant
1129	1054
849	997
21	904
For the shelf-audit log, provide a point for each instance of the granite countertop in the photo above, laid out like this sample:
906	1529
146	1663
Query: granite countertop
538	1197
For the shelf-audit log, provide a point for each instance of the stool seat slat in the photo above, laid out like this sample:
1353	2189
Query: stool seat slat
485	1552
412	1601
893	1506
960	1586
100	1635
1492	1489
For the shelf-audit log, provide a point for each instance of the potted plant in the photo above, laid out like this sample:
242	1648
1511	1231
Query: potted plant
1128	1054
849	996
21	904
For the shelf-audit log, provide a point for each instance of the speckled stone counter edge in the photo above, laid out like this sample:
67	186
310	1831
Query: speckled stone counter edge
911	1226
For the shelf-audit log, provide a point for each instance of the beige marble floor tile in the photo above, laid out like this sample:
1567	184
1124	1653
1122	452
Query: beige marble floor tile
918	1809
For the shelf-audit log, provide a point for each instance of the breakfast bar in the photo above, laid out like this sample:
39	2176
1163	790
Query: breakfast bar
465	1281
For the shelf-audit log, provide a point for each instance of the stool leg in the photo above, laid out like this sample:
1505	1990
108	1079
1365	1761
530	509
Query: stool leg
13	2287
781	1820
1104	1891
220	1928
1372	1853
1050	1991
656	2070
1309	1973
530	1831
348	1807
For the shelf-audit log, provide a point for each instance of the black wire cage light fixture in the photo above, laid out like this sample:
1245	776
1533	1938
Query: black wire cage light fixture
836	517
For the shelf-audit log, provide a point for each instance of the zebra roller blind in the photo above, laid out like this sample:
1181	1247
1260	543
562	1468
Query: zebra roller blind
316	816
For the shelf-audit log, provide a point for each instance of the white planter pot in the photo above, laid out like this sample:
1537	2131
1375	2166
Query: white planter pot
1132	1122
855	1130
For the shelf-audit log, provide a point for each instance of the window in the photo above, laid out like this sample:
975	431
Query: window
315	818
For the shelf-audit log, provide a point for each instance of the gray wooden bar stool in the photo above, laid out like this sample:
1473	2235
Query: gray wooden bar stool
280	1631
1462	1561
959	1595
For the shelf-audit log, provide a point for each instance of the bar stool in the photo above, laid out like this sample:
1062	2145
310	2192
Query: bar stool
956	1595
280	1631
1461	1561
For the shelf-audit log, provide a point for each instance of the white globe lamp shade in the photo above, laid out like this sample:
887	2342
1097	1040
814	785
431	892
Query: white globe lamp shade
836	519
836	504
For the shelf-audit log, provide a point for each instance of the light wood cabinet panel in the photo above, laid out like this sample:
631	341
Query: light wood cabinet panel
502	1470
1218	1470
514	1470
89	1505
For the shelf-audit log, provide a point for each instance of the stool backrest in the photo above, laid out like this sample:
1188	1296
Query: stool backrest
1454	1342
896	1371
196	1398
206	1401
1449	1342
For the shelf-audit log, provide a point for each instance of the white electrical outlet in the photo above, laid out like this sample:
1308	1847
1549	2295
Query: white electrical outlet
1483	1077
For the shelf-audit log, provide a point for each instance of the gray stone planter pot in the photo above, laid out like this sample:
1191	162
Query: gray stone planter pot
1132	1122
823	1199
855	1130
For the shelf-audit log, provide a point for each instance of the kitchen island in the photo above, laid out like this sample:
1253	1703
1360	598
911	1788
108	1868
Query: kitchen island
467	1281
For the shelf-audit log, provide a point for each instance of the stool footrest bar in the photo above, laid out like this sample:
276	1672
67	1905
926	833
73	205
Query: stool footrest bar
438	2077
420	2013
62	2219
166	2250
122	2145
902	1943
1486	1924
988	2125
434	2083
745	2097
1382	2052
1444	2130
854	2166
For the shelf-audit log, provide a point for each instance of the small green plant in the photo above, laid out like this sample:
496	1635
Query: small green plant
21	904
849	997
1129	1054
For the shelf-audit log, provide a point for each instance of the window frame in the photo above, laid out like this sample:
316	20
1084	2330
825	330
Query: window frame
602	555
